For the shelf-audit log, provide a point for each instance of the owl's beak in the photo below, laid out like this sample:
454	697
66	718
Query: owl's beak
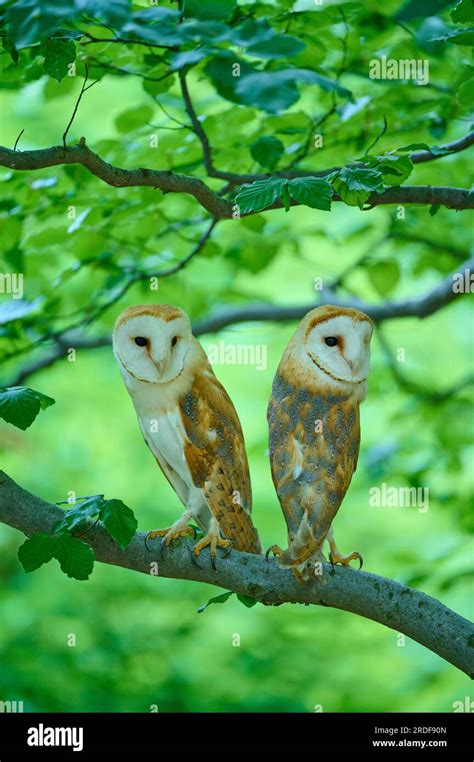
159	366
160	362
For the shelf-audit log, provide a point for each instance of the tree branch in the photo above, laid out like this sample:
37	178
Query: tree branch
421	307
167	181
219	208
383	600
419	390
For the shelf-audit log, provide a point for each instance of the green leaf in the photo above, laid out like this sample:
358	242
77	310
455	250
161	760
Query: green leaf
246	600
10	232
242	255
31	21
310	77
119	520
278	46
225	73
133	118
354	185
434	209
259	195
311	191
384	276
9	46
463	13
75	557
218	599
267	151
113	12
251	32
458	37
58	55
78	514
414	9
267	91
314	192
465	95
275	91
189	57
36	551
434	150
20	405
209	9
393	168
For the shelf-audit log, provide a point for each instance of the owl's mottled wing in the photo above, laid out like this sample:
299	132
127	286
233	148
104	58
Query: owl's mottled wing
314	446
215	453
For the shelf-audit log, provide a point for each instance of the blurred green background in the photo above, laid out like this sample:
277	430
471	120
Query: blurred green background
140	641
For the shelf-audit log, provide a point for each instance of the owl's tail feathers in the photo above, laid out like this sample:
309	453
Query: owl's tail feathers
245	536
236	524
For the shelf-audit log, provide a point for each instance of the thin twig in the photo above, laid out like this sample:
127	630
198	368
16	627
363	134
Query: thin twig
18	138
83	90
377	138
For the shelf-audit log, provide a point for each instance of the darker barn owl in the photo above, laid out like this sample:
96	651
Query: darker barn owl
313	418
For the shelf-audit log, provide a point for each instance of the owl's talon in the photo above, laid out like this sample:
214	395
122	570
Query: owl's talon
276	550
336	558
214	540
180	529
193	559
146	543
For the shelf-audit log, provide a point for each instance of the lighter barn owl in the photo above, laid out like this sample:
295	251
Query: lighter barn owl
313	419
189	424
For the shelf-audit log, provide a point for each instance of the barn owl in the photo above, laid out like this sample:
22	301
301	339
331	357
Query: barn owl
313	418
190	425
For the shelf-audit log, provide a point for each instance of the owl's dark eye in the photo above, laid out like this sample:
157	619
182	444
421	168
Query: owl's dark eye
331	341
140	341
174	341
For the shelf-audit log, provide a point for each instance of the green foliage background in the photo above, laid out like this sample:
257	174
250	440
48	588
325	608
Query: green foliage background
140	641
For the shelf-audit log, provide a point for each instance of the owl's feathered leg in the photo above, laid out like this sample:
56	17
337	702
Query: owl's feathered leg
303	566
180	528
335	556
214	539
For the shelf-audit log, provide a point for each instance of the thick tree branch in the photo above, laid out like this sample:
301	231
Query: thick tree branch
167	181
219	208
421	307
456	146
386	601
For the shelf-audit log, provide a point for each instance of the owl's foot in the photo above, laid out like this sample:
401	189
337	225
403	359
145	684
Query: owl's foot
276	550
303	571
214	539
178	529
335	557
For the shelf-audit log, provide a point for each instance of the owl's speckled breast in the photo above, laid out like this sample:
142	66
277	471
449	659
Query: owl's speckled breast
314	444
